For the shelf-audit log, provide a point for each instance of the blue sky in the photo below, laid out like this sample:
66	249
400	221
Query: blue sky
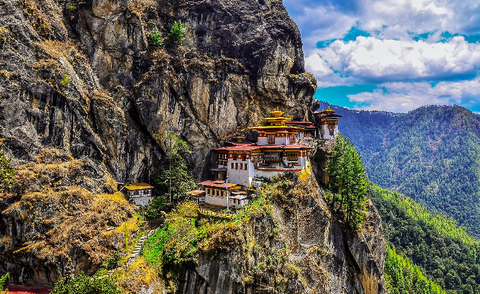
392	55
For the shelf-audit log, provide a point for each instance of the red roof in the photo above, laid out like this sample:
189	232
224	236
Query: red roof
255	147
297	147
240	143
35	289
311	127
285	146
238	148
215	184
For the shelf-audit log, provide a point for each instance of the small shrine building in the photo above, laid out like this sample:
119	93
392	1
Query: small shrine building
140	193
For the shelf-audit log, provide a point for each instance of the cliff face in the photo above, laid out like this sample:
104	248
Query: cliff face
79	79
299	248
239	60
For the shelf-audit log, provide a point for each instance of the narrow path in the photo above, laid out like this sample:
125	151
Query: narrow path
136	251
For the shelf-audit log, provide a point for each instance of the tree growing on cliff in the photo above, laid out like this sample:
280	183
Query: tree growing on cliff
348	181
176	180
7	172
3	281
177	32
154	39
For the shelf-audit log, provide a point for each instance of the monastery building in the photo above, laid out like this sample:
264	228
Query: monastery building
280	148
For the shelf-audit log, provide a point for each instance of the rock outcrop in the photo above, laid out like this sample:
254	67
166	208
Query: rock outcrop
82	77
302	247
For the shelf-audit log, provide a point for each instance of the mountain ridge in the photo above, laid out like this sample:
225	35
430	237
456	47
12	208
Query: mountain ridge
428	154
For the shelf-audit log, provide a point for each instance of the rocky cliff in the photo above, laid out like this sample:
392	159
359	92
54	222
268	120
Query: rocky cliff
289	241
79	78
85	100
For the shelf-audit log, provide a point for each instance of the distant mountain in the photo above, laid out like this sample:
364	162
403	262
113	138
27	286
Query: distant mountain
445	253
431	154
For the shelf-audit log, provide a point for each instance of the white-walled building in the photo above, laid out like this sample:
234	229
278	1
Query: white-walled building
328	122
140	193
216	194
276	151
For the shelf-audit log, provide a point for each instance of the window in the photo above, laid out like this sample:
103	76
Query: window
232	165
292	156
241	166
245	166
236	165
271	139
292	138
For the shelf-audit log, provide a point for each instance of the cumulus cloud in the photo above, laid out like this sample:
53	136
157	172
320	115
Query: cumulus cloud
403	97
373	60
417	52
327	19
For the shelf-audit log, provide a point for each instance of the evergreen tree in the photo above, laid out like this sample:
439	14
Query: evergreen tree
347	180
7	172
177	33
176	180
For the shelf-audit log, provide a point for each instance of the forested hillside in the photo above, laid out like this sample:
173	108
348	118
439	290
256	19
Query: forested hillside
446	254
431	154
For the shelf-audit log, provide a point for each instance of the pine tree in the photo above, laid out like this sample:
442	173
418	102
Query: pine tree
176	180
7	172
347	180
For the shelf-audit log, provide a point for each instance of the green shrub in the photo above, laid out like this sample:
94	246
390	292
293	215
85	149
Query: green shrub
157	205
112	261
155	40
7	172
73	8
3	280
177	33
65	80
83	284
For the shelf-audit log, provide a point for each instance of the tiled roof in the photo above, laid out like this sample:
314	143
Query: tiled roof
240	143
255	147
238	148
138	186
297	122
285	146
297	147
216	184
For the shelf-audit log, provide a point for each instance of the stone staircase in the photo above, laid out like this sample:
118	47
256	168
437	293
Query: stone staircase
136	251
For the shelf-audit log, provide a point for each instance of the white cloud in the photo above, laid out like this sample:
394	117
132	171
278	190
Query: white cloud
403	97
390	58
327	19
323	23
374	60
317	66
